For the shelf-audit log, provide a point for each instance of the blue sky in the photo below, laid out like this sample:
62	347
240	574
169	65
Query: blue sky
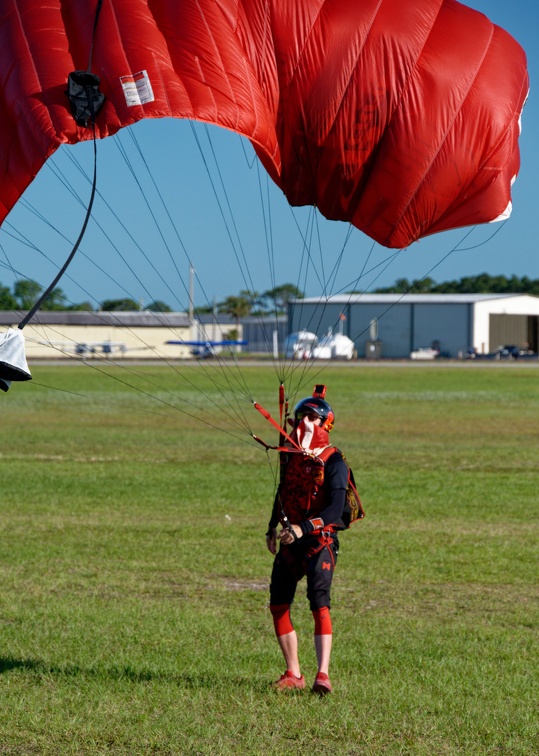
250	238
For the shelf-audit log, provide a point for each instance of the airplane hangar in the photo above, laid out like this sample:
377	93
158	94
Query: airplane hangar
393	326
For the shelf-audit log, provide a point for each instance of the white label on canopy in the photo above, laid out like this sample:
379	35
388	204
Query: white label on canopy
137	89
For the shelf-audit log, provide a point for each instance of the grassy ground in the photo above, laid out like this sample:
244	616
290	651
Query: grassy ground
133	609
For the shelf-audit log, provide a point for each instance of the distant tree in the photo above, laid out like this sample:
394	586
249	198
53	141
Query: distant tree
204	309
401	286
237	307
26	292
7	300
158	306
56	300
422	285
81	307
483	283
280	296
232	335
120	305
255	299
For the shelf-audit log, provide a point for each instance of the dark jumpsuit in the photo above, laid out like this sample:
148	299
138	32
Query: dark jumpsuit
314	555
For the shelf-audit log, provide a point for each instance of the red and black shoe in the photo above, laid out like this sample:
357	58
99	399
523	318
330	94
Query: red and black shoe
322	685
289	681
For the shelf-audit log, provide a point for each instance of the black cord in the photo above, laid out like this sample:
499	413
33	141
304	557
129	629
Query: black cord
30	314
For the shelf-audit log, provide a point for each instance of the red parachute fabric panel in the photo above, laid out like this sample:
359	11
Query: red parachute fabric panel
401	118
194	55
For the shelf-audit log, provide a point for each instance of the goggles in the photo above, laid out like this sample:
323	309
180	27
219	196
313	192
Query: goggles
310	415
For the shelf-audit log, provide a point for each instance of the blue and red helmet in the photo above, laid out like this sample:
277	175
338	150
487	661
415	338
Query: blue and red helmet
313	405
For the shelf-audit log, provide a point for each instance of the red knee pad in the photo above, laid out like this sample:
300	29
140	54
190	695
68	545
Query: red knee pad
322	621
281	619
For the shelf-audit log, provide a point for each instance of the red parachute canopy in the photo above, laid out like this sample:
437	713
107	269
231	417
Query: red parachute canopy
399	117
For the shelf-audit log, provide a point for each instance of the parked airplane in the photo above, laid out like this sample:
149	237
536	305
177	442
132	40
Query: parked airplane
87	347
204	349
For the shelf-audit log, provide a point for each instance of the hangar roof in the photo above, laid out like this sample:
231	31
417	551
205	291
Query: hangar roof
117	318
408	298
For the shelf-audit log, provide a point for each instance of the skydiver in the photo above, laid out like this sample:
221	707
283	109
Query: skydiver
309	503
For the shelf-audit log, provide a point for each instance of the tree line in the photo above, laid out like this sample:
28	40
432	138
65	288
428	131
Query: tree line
481	284
25	292
274	301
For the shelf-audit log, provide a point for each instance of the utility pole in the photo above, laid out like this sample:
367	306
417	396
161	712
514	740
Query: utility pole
191	293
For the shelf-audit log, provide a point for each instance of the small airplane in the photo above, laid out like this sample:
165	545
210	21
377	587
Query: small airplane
87	347
203	349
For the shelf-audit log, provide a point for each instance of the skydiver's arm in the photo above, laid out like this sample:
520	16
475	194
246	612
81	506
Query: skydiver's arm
335	483
328	516
275	512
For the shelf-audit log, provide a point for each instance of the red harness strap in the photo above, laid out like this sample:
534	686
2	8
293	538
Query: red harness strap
282	432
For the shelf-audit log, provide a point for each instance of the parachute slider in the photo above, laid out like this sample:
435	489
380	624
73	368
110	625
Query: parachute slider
13	365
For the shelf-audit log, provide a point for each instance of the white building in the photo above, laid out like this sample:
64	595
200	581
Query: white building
137	335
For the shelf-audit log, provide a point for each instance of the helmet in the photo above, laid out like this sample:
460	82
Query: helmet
313	405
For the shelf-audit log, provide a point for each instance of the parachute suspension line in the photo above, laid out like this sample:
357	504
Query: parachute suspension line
29	315
169	404
232	418
313	371
242	419
300	369
55	170
265	204
135	141
238	409
384	264
307	366
129	164
225	369
24	240
116	248
476	246
244	268
8	264
133	137
177	370
231	384
337	265
327	283
319	370
250	163
241	261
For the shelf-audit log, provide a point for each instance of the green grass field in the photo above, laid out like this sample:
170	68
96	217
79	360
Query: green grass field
134	608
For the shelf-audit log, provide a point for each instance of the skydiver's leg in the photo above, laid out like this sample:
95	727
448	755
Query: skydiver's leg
323	637
282	592
286	637
319	578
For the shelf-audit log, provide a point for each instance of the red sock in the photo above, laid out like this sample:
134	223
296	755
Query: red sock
281	619
322	621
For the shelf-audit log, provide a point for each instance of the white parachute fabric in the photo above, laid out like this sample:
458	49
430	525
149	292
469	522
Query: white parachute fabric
13	365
